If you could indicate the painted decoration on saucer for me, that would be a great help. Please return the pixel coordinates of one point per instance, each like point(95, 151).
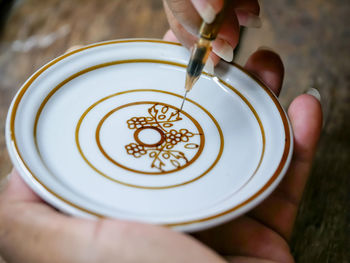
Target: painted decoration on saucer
point(169, 148)
point(170, 151)
point(98, 132)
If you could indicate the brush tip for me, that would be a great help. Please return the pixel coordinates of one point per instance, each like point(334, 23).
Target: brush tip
point(183, 100)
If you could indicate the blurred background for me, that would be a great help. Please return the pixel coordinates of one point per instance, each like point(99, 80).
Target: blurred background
point(312, 37)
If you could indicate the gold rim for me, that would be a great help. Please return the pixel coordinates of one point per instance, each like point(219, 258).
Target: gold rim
point(282, 163)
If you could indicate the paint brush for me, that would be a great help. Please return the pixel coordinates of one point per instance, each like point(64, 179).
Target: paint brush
point(201, 50)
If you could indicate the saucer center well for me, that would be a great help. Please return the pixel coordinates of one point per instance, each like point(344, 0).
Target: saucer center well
point(149, 136)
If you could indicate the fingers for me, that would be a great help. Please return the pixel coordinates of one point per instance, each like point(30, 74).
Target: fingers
point(268, 67)
point(179, 34)
point(191, 13)
point(184, 13)
point(227, 38)
point(17, 190)
point(33, 233)
point(247, 12)
point(186, 22)
point(185, 17)
point(246, 237)
point(212, 59)
point(248, 19)
point(170, 36)
point(279, 210)
point(208, 9)
point(72, 48)
point(306, 118)
point(186, 38)
point(305, 114)
point(264, 231)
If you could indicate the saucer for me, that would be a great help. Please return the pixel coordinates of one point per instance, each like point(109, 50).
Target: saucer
point(98, 132)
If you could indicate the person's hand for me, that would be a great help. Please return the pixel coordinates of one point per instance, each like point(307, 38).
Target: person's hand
point(185, 17)
point(32, 231)
point(264, 232)
point(262, 235)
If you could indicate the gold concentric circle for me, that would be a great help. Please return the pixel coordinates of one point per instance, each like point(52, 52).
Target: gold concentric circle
point(139, 141)
point(112, 160)
point(202, 138)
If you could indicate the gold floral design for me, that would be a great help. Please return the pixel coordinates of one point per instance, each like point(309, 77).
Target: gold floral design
point(135, 149)
point(168, 152)
point(173, 136)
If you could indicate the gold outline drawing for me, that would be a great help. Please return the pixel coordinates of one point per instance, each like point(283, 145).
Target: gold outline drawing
point(193, 120)
point(98, 141)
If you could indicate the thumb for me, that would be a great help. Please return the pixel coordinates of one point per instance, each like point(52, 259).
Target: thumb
point(17, 190)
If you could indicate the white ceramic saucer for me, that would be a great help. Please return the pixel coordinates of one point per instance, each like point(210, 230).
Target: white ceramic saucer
point(98, 132)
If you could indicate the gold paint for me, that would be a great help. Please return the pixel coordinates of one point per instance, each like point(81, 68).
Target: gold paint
point(262, 85)
point(202, 140)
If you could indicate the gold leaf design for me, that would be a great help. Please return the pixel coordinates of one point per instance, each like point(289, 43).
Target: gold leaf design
point(174, 116)
point(175, 163)
point(191, 146)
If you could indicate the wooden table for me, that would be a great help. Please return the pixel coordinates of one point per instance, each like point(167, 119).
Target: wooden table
point(313, 38)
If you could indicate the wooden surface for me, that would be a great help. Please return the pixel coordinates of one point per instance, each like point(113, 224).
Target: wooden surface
point(313, 38)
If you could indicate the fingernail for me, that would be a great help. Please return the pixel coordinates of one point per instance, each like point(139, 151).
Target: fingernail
point(223, 49)
point(252, 21)
point(209, 66)
point(314, 92)
point(72, 48)
point(266, 48)
point(205, 10)
point(5, 181)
